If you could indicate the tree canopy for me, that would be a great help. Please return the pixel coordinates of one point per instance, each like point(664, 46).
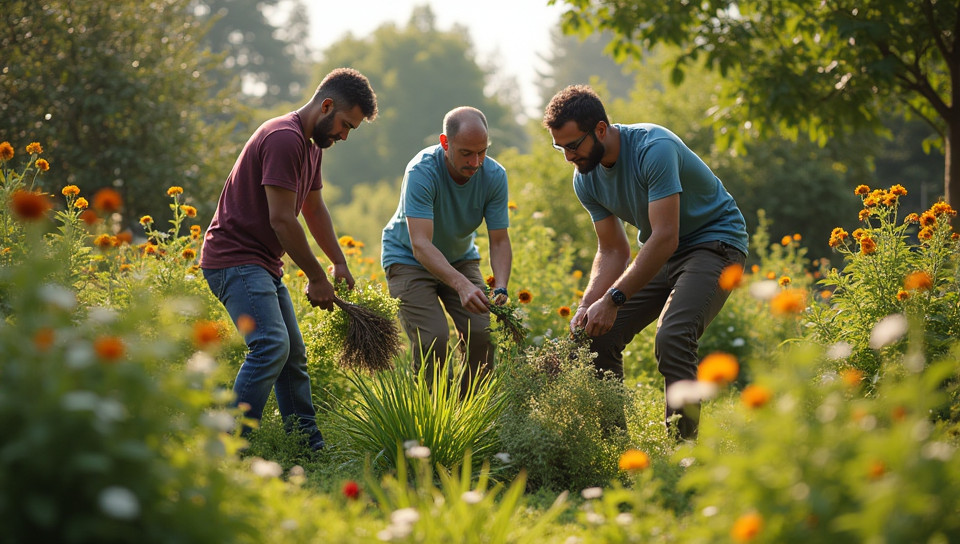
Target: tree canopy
point(826, 68)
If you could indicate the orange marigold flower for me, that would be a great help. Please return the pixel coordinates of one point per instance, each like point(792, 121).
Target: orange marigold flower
point(918, 280)
point(124, 237)
point(797, 237)
point(858, 234)
point(511, 205)
point(195, 229)
point(351, 490)
point(301, 274)
point(88, 216)
point(861, 190)
point(837, 237)
point(869, 202)
point(911, 218)
point(955, 236)
point(146, 220)
point(189, 211)
point(788, 302)
point(205, 333)
point(34, 147)
point(246, 324)
point(851, 376)
point(784, 281)
point(785, 241)
point(941, 208)
point(126, 267)
point(577, 274)
point(826, 294)
point(755, 268)
point(877, 469)
point(43, 165)
point(925, 233)
point(898, 190)
point(902, 295)
point(564, 311)
point(524, 296)
point(633, 460)
point(6, 151)
point(898, 413)
point(867, 245)
point(719, 368)
point(863, 215)
point(174, 190)
point(889, 199)
point(490, 281)
point(928, 219)
point(189, 254)
point(746, 527)
point(755, 396)
point(107, 200)
point(103, 241)
point(149, 249)
point(29, 205)
point(70, 190)
point(109, 348)
point(346, 241)
point(771, 275)
point(44, 338)
point(731, 277)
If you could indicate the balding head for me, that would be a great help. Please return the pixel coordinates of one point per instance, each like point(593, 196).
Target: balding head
point(463, 118)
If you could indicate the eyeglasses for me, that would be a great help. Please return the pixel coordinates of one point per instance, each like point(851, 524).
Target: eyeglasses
point(572, 146)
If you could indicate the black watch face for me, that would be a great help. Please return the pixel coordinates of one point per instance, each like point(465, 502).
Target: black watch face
point(618, 297)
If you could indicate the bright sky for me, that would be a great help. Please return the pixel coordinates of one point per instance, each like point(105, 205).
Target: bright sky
point(508, 34)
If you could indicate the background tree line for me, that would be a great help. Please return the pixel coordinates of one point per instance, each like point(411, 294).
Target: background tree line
point(120, 100)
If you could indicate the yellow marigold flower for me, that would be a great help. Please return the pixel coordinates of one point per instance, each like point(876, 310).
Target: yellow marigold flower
point(205, 333)
point(857, 234)
point(925, 233)
point(634, 460)
point(246, 324)
point(195, 229)
point(785, 241)
point(578, 293)
point(29, 205)
point(34, 147)
point(719, 368)
point(877, 469)
point(301, 274)
point(755, 268)
point(747, 527)
point(107, 200)
point(351, 251)
point(6, 151)
point(928, 219)
point(941, 208)
point(755, 396)
point(771, 275)
point(81, 203)
point(511, 205)
point(861, 190)
point(44, 338)
point(784, 281)
point(911, 218)
point(359, 244)
point(867, 245)
point(731, 277)
point(788, 302)
point(346, 241)
point(851, 376)
point(109, 348)
point(189, 211)
point(918, 281)
point(524, 296)
point(837, 237)
point(175, 190)
point(43, 165)
point(146, 220)
point(577, 274)
point(564, 311)
point(870, 202)
point(149, 249)
point(902, 295)
point(189, 253)
point(103, 241)
point(863, 215)
point(70, 190)
point(898, 190)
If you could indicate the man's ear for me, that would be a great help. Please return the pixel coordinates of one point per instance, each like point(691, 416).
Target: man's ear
point(326, 106)
point(444, 142)
point(600, 130)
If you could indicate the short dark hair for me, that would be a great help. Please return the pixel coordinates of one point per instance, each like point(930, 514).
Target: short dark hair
point(349, 88)
point(575, 103)
point(455, 117)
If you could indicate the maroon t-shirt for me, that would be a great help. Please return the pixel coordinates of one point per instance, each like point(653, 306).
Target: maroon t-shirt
point(278, 154)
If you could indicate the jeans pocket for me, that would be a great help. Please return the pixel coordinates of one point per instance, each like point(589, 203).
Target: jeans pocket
point(214, 281)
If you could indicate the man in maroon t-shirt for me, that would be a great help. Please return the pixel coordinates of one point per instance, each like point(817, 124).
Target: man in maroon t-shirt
point(275, 178)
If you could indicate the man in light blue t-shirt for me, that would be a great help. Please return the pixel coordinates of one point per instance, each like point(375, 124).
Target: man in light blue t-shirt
point(690, 229)
point(429, 253)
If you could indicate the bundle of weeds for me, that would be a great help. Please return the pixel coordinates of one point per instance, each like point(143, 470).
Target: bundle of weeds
point(372, 340)
point(510, 322)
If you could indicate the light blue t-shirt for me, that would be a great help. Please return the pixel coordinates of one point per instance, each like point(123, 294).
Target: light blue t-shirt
point(429, 192)
point(653, 164)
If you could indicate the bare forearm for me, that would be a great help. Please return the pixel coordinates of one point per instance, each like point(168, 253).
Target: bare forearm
point(607, 268)
point(294, 242)
point(652, 256)
point(321, 227)
point(501, 261)
point(433, 260)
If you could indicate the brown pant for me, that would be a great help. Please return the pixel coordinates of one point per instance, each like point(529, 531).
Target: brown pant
point(683, 297)
point(425, 323)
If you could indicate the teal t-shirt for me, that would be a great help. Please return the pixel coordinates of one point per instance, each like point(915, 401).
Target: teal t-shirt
point(429, 192)
point(653, 164)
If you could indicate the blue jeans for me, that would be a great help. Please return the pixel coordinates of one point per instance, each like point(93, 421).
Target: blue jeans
point(276, 357)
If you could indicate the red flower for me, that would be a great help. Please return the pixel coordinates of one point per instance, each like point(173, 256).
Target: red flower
point(351, 490)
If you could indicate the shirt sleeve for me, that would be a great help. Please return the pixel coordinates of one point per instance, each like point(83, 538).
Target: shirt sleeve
point(495, 210)
point(419, 193)
point(281, 157)
point(588, 200)
point(660, 167)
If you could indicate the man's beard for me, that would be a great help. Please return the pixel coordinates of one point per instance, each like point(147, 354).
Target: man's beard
point(322, 136)
point(587, 164)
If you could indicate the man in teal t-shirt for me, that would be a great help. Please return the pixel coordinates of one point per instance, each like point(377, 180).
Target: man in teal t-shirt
point(690, 230)
point(429, 253)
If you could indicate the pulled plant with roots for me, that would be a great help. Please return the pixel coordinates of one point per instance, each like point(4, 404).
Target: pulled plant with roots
point(372, 340)
point(510, 322)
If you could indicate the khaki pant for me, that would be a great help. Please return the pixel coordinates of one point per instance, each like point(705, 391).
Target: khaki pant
point(425, 323)
point(683, 298)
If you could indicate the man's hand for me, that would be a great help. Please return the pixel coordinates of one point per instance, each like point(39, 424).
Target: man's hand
point(320, 293)
point(473, 298)
point(600, 316)
point(579, 319)
point(342, 273)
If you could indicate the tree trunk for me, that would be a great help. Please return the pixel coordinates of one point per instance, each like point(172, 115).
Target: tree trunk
point(951, 171)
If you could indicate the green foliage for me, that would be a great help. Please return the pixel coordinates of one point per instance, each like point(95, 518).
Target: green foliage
point(397, 410)
point(563, 425)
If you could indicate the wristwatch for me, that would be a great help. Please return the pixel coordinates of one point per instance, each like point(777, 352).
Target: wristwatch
point(617, 296)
